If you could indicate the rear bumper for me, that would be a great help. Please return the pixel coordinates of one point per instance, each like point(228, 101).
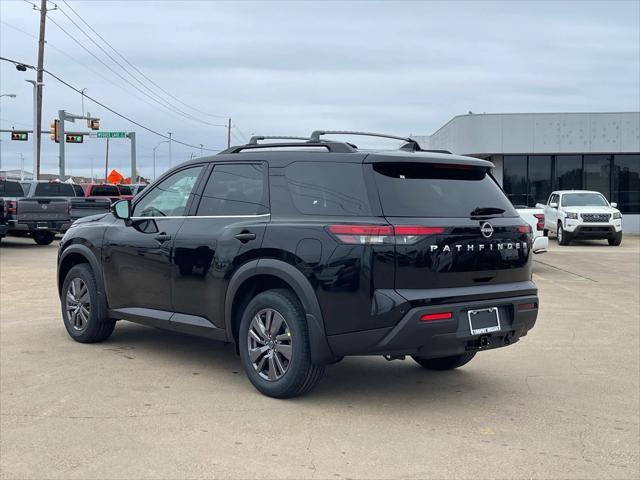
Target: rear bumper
point(50, 225)
point(3, 230)
point(441, 338)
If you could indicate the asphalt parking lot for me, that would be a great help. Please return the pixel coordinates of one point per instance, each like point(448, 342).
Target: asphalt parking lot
point(562, 403)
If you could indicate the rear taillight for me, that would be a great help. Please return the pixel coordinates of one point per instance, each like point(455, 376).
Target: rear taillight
point(429, 317)
point(381, 234)
point(526, 306)
point(12, 207)
point(540, 218)
point(524, 228)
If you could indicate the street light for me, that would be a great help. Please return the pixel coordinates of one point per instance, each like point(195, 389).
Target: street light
point(154, 157)
point(35, 126)
point(10, 95)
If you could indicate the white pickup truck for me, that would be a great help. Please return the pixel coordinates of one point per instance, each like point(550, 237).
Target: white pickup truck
point(572, 214)
point(535, 218)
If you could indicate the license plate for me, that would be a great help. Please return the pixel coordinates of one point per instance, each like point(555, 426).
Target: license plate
point(485, 320)
point(42, 225)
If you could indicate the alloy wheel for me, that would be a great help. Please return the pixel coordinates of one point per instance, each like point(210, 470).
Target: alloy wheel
point(270, 344)
point(78, 304)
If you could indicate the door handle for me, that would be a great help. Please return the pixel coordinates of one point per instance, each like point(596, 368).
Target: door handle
point(244, 237)
point(162, 237)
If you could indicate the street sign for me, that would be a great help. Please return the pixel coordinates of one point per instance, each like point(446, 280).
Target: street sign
point(111, 134)
point(20, 136)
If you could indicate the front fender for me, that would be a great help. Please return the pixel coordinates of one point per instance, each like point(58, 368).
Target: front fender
point(320, 351)
point(87, 253)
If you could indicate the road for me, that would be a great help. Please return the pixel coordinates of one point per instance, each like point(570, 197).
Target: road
point(562, 403)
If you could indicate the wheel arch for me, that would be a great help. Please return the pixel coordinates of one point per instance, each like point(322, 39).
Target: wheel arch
point(76, 255)
point(265, 274)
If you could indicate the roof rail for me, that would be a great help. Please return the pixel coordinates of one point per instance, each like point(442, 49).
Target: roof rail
point(410, 144)
point(256, 138)
point(333, 147)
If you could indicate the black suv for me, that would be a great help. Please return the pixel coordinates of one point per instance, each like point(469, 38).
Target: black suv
point(302, 252)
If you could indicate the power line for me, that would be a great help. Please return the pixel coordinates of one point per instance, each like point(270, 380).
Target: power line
point(97, 102)
point(136, 68)
point(169, 104)
point(118, 74)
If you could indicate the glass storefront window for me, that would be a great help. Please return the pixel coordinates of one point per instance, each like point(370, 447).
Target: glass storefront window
point(626, 183)
point(569, 172)
point(539, 178)
point(515, 179)
point(597, 174)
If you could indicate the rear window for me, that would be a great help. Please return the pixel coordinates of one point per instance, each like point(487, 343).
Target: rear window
point(325, 188)
point(54, 190)
point(124, 190)
point(79, 191)
point(105, 191)
point(11, 189)
point(437, 190)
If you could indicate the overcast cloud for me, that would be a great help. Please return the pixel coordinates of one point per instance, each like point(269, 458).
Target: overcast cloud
point(291, 67)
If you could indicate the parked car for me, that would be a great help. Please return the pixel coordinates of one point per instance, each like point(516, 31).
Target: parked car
point(79, 205)
point(32, 213)
point(535, 218)
point(102, 190)
point(302, 257)
point(4, 224)
point(572, 214)
point(10, 192)
point(136, 188)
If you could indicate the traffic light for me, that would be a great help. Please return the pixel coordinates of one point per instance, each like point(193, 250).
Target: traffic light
point(54, 130)
point(93, 123)
point(20, 136)
point(71, 138)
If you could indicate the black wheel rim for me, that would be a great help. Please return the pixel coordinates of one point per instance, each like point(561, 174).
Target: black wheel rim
point(269, 343)
point(78, 304)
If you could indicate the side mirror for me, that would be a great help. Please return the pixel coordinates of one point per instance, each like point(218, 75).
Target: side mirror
point(614, 204)
point(122, 210)
point(553, 205)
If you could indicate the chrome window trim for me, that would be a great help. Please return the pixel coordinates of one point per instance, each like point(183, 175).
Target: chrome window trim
point(203, 216)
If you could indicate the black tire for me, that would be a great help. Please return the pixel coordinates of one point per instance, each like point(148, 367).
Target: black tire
point(545, 232)
point(43, 238)
point(615, 241)
point(445, 363)
point(563, 237)
point(98, 326)
point(301, 375)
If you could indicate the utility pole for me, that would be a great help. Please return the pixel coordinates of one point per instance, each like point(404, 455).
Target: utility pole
point(170, 148)
point(106, 163)
point(61, 140)
point(134, 174)
point(200, 149)
point(229, 134)
point(36, 150)
point(39, 75)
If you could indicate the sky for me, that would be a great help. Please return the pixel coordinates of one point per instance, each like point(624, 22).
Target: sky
point(293, 67)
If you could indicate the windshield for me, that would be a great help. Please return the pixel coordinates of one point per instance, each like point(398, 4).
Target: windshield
point(439, 190)
point(583, 200)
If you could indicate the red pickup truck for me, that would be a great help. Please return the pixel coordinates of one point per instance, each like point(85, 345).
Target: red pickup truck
point(104, 190)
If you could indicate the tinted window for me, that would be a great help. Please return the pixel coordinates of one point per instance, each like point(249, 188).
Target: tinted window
point(235, 190)
point(105, 191)
point(79, 191)
point(124, 190)
point(583, 200)
point(626, 183)
point(168, 198)
point(53, 190)
point(597, 170)
point(325, 188)
point(569, 172)
point(539, 178)
point(437, 190)
point(11, 189)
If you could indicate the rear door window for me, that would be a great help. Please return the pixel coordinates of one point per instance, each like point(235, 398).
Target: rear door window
point(235, 189)
point(437, 190)
point(325, 188)
point(79, 191)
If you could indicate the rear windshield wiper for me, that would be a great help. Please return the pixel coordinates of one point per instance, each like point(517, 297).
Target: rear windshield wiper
point(484, 211)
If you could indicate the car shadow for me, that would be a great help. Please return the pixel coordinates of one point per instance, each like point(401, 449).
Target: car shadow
point(361, 380)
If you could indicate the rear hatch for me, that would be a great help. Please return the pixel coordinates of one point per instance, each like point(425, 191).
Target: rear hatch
point(453, 225)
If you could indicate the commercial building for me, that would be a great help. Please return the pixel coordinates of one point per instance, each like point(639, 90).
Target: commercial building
point(536, 153)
